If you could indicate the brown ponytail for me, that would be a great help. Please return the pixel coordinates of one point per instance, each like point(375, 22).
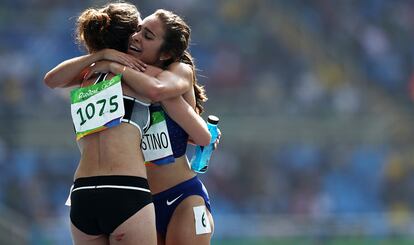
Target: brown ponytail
point(199, 91)
point(176, 40)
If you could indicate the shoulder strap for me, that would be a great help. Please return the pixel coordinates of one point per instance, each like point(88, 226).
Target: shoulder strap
point(101, 77)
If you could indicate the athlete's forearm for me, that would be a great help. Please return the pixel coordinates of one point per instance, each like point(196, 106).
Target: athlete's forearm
point(182, 113)
point(70, 72)
point(170, 96)
point(163, 86)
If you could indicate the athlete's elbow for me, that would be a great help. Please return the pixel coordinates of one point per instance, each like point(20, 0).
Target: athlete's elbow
point(153, 95)
point(49, 81)
point(156, 93)
point(204, 139)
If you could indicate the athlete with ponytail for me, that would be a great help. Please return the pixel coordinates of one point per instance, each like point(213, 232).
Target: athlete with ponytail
point(181, 201)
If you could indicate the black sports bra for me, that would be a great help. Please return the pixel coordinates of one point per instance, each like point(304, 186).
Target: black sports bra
point(136, 112)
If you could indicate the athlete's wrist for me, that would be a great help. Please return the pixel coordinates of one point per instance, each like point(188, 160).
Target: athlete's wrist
point(116, 68)
point(97, 56)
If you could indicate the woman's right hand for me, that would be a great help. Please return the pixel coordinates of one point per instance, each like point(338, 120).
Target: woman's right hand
point(123, 58)
point(216, 143)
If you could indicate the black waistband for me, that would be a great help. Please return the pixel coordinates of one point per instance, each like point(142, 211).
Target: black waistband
point(121, 180)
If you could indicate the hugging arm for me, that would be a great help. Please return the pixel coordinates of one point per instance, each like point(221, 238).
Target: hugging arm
point(182, 113)
point(174, 104)
point(155, 84)
point(73, 71)
point(69, 72)
point(169, 87)
point(175, 81)
point(166, 84)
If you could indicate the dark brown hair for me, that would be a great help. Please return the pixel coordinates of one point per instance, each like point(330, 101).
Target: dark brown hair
point(176, 41)
point(107, 27)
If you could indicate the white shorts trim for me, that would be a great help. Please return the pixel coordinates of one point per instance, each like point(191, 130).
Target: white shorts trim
point(111, 186)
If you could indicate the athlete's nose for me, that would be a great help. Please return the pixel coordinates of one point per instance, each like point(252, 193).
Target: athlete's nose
point(135, 36)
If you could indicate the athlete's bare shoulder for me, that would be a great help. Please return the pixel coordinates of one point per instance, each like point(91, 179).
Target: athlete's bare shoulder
point(182, 69)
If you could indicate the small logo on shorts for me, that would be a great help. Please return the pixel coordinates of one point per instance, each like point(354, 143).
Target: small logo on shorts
point(172, 201)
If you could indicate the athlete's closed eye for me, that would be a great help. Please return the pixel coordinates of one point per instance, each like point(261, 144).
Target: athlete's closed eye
point(148, 34)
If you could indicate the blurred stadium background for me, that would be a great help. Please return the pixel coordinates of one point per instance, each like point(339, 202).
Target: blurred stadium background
point(316, 107)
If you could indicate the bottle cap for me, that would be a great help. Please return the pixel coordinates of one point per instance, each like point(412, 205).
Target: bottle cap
point(213, 119)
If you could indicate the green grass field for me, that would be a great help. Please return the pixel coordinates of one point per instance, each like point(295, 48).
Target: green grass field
point(309, 241)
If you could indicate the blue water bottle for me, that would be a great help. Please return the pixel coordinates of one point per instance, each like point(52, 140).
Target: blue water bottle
point(199, 162)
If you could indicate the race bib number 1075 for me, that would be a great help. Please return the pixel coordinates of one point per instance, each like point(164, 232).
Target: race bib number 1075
point(97, 107)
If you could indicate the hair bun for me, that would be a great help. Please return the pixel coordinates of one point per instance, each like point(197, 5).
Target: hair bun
point(98, 21)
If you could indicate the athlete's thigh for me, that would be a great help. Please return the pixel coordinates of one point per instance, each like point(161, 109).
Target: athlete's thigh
point(182, 227)
point(81, 238)
point(138, 229)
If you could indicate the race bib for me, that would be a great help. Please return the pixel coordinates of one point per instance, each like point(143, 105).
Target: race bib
point(97, 107)
point(156, 144)
point(202, 222)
